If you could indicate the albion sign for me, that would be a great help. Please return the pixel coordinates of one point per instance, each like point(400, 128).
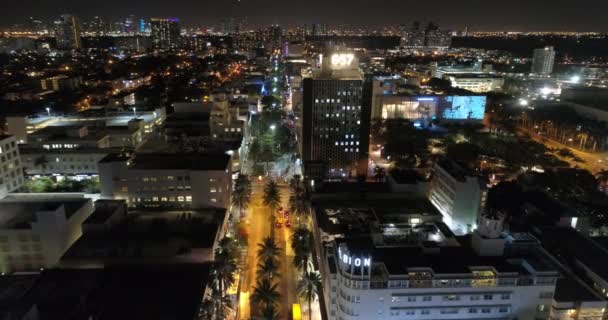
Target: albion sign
point(366, 262)
point(342, 59)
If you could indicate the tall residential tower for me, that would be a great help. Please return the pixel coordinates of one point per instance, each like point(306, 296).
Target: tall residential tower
point(543, 61)
point(67, 32)
point(337, 111)
point(165, 33)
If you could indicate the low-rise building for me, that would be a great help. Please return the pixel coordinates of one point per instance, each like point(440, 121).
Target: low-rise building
point(181, 236)
point(36, 230)
point(478, 83)
point(167, 180)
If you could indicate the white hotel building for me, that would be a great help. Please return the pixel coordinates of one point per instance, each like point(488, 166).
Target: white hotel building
point(413, 267)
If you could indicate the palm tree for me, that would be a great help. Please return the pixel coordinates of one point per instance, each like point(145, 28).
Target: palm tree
point(227, 246)
point(207, 307)
point(266, 294)
point(223, 273)
point(296, 184)
point(268, 269)
point(241, 195)
point(270, 313)
point(268, 249)
point(302, 261)
point(298, 205)
point(272, 199)
point(309, 288)
point(300, 243)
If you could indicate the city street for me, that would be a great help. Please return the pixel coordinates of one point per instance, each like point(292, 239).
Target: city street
point(594, 162)
point(258, 226)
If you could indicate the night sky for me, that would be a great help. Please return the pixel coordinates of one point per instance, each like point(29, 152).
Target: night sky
point(516, 15)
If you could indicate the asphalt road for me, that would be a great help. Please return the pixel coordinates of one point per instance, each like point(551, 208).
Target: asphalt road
point(594, 162)
point(258, 227)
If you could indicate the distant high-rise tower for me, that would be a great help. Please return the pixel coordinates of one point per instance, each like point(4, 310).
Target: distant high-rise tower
point(165, 33)
point(67, 32)
point(543, 61)
point(336, 117)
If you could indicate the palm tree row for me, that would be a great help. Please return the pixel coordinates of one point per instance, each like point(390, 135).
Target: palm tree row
point(272, 199)
point(223, 273)
point(241, 195)
point(266, 293)
point(298, 200)
point(310, 284)
point(301, 245)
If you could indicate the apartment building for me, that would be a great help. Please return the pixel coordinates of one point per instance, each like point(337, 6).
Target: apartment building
point(11, 172)
point(167, 180)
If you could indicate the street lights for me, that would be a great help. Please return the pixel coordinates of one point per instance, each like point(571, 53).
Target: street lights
point(135, 112)
point(272, 127)
point(48, 111)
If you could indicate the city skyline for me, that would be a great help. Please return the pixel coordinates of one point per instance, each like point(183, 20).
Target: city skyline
point(519, 15)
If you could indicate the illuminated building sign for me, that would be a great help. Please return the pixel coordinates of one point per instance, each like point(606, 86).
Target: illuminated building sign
point(356, 261)
point(342, 59)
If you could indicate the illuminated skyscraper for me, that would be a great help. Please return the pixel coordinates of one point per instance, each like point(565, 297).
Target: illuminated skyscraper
point(543, 60)
point(67, 32)
point(337, 111)
point(165, 33)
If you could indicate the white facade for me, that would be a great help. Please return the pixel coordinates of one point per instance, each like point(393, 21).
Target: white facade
point(482, 292)
point(22, 125)
point(71, 162)
point(11, 172)
point(36, 230)
point(166, 185)
point(459, 197)
point(477, 83)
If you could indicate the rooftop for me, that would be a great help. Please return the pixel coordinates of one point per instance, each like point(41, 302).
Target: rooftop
point(458, 171)
point(145, 236)
point(20, 214)
point(458, 258)
point(120, 292)
point(577, 247)
point(104, 209)
point(166, 161)
point(570, 290)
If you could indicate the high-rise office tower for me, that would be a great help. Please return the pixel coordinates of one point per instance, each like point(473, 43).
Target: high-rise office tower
point(165, 33)
point(336, 118)
point(543, 60)
point(67, 32)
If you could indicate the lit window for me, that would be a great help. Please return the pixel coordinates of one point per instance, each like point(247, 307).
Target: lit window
point(213, 200)
point(189, 198)
point(180, 198)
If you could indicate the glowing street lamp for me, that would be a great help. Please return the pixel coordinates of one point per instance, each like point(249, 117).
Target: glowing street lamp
point(273, 127)
point(134, 112)
point(48, 111)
